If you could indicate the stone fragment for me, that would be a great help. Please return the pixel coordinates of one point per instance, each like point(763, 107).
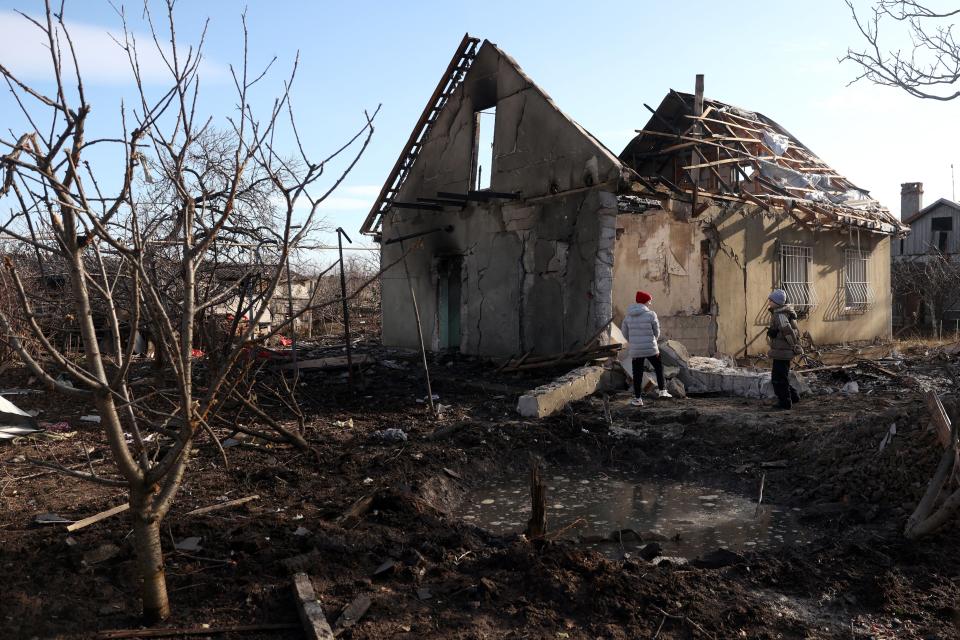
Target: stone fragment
point(717, 559)
point(674, 354)
point(550, 398)
point(676, 388)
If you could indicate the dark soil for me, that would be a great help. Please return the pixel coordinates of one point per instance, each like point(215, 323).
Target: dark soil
point(449, 579)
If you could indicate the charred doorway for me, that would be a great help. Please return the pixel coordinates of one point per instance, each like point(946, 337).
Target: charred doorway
point(449, 295)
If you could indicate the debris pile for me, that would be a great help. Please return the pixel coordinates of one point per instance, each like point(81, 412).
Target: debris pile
point(699, 375)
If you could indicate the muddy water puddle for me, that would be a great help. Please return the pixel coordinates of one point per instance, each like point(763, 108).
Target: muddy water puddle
point(693, 519)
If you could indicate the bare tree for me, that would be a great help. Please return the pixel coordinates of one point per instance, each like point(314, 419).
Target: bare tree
point(138, 242)
point(929, 68)
point(931, 279)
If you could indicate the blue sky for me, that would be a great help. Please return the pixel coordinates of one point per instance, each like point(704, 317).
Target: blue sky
point(599, 60)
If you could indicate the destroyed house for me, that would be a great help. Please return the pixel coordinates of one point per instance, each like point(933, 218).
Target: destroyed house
point(517, 231)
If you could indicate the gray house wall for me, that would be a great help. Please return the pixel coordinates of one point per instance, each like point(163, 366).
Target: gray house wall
point(534, 273)
point(921, 237)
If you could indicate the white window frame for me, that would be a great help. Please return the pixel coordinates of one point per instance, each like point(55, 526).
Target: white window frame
point(796, 267)
point(856, 291)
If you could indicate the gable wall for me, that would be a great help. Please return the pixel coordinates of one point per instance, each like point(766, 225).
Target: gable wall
point(537, 272)
point(921, 238)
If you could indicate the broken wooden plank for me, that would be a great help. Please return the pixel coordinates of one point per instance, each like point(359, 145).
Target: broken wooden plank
point(448, 430)
point(830, 367)
point(939, 418)
point(352, 516)
point(329, 364)
point(103, 515)
point(716, 163)
point(315, 623)
point(223, 505)
point(876, 367)
point(352, 614)
point(192, 631)
point(774, 464)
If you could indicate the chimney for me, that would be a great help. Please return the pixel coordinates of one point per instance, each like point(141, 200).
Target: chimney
point(911, 199)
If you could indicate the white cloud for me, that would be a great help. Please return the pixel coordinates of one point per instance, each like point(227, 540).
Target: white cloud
point(23, 49)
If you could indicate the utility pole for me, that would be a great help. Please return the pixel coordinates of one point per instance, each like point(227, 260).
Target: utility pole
point(341, 234)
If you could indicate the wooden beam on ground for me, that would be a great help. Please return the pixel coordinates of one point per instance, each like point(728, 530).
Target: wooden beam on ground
point(315, 623)
point(829, 367)
point(939, 418)
point(327, 364)
point(103, 515)
point(192, 631)
point(353, 515)
point(223, 505)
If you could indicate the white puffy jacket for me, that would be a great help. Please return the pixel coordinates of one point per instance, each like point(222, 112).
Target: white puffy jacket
point(641, 328)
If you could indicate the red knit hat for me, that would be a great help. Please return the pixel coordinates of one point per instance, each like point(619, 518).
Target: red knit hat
point(643, 297)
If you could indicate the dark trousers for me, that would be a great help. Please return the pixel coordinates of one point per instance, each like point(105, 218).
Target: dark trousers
point(638, 373)
point(780, 379)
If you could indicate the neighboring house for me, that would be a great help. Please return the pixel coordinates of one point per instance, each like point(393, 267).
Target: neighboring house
point(524, 233)
point(933, 229)
point(934, 234)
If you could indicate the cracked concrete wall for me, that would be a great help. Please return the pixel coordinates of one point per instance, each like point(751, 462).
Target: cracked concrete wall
point(659, 252)
point(747, 267)
point(530, 266)
point(529, 276)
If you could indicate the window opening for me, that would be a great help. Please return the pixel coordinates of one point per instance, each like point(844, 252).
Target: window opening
point(941, 224)
point(483, 147)
point(796, 265)
point(856, 286)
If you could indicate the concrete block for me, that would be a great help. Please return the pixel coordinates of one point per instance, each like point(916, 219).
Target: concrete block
point(550, 398)
point(649, 382)
point(613, 380)
point(676, 388)
point(674, 353)
point(713, 375)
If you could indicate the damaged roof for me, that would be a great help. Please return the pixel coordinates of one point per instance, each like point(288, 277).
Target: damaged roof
point(745, 156)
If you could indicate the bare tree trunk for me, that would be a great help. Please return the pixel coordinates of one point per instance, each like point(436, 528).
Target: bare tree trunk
point(146, 538)
point(537, 525)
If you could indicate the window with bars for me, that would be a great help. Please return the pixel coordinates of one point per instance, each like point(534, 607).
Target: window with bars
point(796, 265)
point(856, 286)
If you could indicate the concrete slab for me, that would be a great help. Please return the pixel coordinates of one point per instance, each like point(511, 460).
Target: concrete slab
point(550, 398)
point(674, 354)
point(712, 375)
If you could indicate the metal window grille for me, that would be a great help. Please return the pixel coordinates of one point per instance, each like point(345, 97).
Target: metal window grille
point(856, 287)
point(796, 265)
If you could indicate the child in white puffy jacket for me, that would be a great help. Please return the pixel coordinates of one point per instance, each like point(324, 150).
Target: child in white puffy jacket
point(641, 328)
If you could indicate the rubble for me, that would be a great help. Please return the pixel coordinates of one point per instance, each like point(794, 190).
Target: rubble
point(550, 398)
point(390, 435)
point(713, 375)
point(13, 416)
point(674, 354)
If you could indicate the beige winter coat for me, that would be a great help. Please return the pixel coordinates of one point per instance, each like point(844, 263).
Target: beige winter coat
point(783, 334)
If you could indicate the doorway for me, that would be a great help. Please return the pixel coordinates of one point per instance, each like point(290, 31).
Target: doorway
point(449, 293)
